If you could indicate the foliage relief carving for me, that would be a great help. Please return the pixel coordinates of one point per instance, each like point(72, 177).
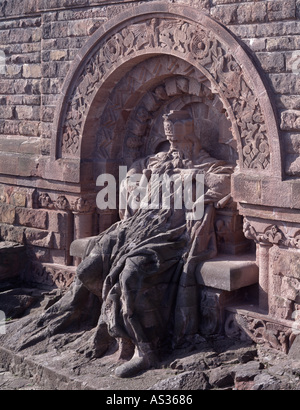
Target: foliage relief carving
point(185, 40)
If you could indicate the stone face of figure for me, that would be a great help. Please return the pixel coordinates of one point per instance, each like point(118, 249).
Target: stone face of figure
point(179, 130)
point(142, 268)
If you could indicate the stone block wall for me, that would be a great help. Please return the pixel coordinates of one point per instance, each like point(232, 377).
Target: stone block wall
point(271, 29)
point(40, 39)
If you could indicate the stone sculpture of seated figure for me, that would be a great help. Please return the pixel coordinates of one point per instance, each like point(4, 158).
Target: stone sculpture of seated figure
point(142, 268)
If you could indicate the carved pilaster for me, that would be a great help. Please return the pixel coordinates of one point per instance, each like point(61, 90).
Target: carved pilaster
point(83, 211)
point(277, 248)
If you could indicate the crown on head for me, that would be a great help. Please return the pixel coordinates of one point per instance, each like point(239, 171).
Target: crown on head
point(178, 122)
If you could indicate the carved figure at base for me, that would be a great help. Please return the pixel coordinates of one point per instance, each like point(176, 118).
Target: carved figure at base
point(142, 269)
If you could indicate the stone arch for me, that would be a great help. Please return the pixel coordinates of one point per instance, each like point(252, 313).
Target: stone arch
point(138, 101)
point(185, 34)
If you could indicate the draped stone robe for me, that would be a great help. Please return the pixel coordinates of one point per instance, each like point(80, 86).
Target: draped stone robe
point(142, 267)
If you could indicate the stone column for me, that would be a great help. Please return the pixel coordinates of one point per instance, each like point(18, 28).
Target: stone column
point(83, 211)
point(83, 228)
point(263, 250)
point(264, 236)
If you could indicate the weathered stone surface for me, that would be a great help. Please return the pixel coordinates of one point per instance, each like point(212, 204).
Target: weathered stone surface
point(58, 221)
point(220, 361)
point(8, 214)
point(10, 382)
point(12, 261)
point(32, 218)
point(39, 237)
point(272, 62)
point(221, 377)
point(230, 274)
point(281, 10)
point(254, 12)
point(32, 71)
point(247, 372)
point(12, 233)
point(53, 48)
point(14, 303)
point(294, 353)
point(184, 381)
point(290, 120)
point(266, 382)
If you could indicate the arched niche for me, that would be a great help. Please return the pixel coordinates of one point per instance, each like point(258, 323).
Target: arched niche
point(136, 106)
point(100, 97)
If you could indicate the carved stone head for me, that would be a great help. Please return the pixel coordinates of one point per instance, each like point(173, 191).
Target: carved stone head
point(179, 130)
point(178, 124)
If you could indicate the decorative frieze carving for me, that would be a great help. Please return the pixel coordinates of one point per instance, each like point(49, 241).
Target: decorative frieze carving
point(272, 235)
point(262, 329)
point(188, 41)
point(52, 274)
point(62, 203)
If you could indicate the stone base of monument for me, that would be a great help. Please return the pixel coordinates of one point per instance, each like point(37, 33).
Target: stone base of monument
point(220, 364)
point(250, 322)
point(229, 304)
point(58, 363)
point(229, 301)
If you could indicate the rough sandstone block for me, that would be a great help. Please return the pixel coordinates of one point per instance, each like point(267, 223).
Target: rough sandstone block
point(24, 112)
point(281, 10)
point(37, 237)
point(12, 233)
point(290, 120)
point(285, 263)
point(285, 83)
point(32, 71)
point(254, 12)
point(58, 221)
point(272, 62)
point(7, 214)
point(32, 218)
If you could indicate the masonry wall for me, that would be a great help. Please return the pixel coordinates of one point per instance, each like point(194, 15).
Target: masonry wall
point(40, 39)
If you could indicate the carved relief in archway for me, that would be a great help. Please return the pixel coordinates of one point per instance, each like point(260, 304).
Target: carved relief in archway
point(165, 83)
point(185, 40)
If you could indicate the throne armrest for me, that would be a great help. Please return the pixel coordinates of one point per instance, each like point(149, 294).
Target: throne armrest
point(228, 272)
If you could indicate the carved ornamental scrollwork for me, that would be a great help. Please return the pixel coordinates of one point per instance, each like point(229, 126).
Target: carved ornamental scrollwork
point(272, 235)
point(62, 203)
point(240, 324)
point(186, 40)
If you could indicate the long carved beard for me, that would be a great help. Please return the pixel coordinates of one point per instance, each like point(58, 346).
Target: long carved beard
point(170, 161)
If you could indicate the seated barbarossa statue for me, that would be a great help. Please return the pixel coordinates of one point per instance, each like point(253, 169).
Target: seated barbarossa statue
point(142, 268)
